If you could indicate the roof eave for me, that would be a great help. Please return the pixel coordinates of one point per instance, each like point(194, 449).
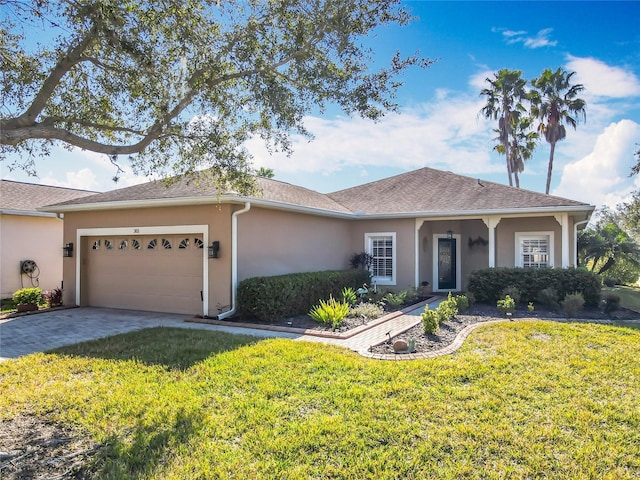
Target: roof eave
point(480, 212)
point(27, 213)
point(183, 201)
point(206, 200)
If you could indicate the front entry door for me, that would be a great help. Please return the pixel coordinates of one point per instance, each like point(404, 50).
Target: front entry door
point(447, 264)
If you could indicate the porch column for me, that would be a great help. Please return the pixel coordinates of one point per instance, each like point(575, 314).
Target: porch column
point(492, 222)
point(416, 258)
point(563, 220)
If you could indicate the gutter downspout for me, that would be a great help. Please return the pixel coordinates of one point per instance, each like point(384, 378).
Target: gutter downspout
point(234, 261)
point(575, 240)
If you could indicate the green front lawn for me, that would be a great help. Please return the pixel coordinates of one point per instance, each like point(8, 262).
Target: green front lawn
point(629, 296)
point(524, 399)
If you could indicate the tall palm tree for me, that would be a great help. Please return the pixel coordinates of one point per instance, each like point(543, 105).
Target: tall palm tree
point(605, 244)
point(522, 144)
point(555, 102)
point(504, 100)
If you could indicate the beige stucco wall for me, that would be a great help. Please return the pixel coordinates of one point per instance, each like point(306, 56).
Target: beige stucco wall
point(505, 237)
point(218, 217)
point(30, 238)
point(405, 246)
point(274, 242)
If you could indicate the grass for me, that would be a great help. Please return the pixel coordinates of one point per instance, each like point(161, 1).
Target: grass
point(629, 296)
point(519, 400)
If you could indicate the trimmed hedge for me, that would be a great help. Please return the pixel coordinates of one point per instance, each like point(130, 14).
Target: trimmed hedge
point(487, 284)
point(269, 298)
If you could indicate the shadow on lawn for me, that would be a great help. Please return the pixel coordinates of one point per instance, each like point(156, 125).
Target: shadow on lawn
point(144, 449)
point(174, 348)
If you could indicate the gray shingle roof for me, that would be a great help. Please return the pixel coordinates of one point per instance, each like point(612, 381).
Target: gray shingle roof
point(421, 191)
point(434, 191)
point(27, 197)
point(271, 190)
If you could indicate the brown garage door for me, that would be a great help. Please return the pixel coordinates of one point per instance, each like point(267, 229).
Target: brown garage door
point(158, 273)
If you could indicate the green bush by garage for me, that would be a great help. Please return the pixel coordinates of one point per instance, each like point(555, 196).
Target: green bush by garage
point(269, 298)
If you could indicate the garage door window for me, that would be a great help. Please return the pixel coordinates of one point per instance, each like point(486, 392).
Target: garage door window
point(96, 245)
point(152, 244)
point(166, 244)
point(123, 245)
point(184, 243)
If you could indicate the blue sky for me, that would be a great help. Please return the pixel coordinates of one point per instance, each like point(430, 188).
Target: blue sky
point(439, 125)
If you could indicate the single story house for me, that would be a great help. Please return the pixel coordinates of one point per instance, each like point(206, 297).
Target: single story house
point(183, 248)
point(31, 240)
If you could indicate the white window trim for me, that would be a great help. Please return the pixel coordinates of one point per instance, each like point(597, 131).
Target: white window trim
point(520, 236)
point(368, 237)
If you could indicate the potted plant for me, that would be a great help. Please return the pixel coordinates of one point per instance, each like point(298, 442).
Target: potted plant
point(28, 299)
point(426, 289)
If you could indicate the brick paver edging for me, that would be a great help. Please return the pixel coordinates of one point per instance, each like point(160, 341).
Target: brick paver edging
point(314, 333)
point(449, 349)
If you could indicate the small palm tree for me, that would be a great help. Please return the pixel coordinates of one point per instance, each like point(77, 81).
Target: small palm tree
point(504, 100)
point(265, 172)
point(555, 102)
point(606, 244)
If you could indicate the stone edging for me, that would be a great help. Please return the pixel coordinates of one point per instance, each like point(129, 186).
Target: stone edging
point(449, 349)
point(315, 333)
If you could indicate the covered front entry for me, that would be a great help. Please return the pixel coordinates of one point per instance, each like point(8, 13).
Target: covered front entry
point(158, 272)
point(446, 264)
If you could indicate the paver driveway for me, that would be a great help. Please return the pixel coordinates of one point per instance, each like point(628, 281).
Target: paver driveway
point(47, 330)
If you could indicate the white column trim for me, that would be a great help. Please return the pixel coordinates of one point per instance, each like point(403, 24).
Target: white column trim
point(564, 217)
point(492, 222)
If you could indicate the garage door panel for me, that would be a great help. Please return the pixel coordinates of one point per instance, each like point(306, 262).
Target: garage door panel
point(160, 279)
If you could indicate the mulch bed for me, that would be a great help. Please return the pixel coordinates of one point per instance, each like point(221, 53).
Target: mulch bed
point(481, 313)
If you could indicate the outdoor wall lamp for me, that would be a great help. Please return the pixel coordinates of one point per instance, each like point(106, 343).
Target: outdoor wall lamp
point(67, 250)
point(449, 234)
point(214, 248)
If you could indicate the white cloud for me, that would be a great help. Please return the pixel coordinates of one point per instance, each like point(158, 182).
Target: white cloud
point(541, 39)
point(602, 80)
point(83, 179)
point(602, 176)
point(447, 134)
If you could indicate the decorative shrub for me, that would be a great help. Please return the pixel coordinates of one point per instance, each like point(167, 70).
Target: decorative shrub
point(430, 321)
point(471, 298)
point(366, 310)
point(29, 295)
point(331, 312)
point(462, 302)
point(447, 309)
point(395, 299)
point(349, 296)
point(53, 298)
point(269, 298)
point(610, 302)
point(362, 260)
point(548, 297)
point(572, 304)
point(513, 292)
point(487, 284)
point(506, 304)
point(530, 307)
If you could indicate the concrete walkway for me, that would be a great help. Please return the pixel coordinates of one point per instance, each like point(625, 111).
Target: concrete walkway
point(48, 330)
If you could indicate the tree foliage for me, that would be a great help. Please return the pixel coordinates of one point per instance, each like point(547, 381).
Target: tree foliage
point(607, 244)
point(176, 86)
